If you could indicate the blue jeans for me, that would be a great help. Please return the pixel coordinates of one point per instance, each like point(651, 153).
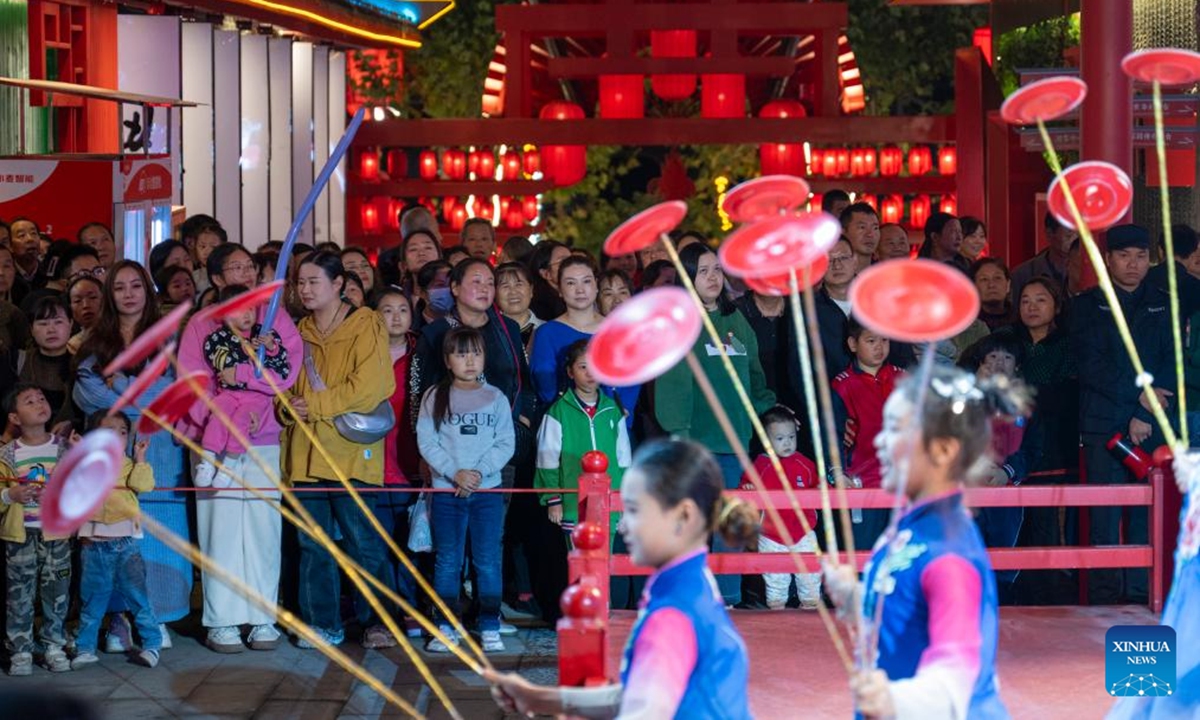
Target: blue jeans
point(452, 518)
point(319, 579)
point(108, 566)
point(1000, 527)
point(730, 585)
point(391, 508)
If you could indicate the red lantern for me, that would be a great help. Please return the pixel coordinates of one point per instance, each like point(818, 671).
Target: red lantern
point(947, 160)
point(857, 168)
point(870, 200)
point(829, 162)
point(510, 165)
point(531, 162)
point(622, 97)
point(454, 164)
point(919, 160)
point(370, 217)
point(673, 44)
point(891, 209)
point(529, 208)
point(397, 163)
point(814, 161)
point(891, 161)
point(448, 204)
point(723, 96)
point(814, 201)
point(843, 160)
point(428, 165)
point(564, 164)
point(918, 212)
point(782, 158)
point(867, 158)
point(458, 217)
point(473, 162)
point(487, 164)
point(368, 165)
point(393, 214)
point(949, 205)
point(514, 219)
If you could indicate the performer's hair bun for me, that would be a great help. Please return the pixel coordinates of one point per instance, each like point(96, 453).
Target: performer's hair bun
point(737, 521)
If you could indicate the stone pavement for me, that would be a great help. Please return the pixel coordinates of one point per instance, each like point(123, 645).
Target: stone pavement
point(287, 683)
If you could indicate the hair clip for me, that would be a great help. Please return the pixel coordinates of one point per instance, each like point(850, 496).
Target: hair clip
point(959, 391)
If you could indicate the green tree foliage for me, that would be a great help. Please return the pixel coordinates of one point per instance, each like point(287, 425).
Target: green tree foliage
point(906, 53)
point(444, 78)
point(1040, 45)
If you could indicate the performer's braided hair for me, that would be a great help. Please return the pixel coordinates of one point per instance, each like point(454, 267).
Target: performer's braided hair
point(960, 406)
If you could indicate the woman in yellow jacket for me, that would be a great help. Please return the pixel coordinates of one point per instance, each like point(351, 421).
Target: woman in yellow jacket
point(346, 369)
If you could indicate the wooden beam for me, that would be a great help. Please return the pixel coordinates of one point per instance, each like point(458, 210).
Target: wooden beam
point(928, 184)
point(446, 188)
point(576, 20)
point(591, 67)
point(400, 132)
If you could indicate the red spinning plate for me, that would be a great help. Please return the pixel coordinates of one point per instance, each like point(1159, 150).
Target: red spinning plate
point(251, 299)
point(780, 285)
point(1043, 100)
point(1102, 192)
point(149, 341)
point(765, 196)
point(645, 228)
point(644, 337)
point(174, 402)
point(783, 241)
point(1168, 66)
point(153, 371)
point(81, 481)
point(914, 300)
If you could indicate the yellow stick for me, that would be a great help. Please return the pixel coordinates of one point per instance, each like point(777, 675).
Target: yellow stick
point(1105, 282)
point(287, 619)
point(1160, 149)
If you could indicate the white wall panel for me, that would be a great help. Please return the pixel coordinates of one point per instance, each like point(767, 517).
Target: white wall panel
point(148, 56)
point(256, 141)
point(227, 103)
point(337, 126)
point(197, 156)
point(320, 84)
point(279, 60)
point(302, 131)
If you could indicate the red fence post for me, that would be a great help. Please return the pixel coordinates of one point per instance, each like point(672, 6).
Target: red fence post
point(1156, 509)
point(583, 629)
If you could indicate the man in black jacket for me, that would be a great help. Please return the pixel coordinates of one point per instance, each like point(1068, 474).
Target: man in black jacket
point(1110, 402)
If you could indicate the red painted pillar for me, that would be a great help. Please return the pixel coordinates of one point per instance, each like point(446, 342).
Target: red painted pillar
point(1106, 122)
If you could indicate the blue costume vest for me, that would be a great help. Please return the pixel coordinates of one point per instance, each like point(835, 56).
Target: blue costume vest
point(927, 532)
point(717, 687)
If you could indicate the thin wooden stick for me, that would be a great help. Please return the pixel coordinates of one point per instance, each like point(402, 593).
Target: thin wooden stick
point(731, 436)
point(1164, 194)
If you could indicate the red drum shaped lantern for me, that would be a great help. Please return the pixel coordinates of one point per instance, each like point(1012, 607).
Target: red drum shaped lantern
point(782, 158)
point(563, 164)
point(918, 212)
point(427, 161)
point(673, 44)
point(723, 96)
point(891, 161)
point(454, 163)
point(621, 97)
point(920, 160)
point(947, 160)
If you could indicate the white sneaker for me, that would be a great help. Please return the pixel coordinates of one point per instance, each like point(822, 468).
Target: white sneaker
point(437, 646)
point(83, 660)
point(506, 629)
point(166, 636)
point(224, 640)
point(120, 635)
point(204, 473)
point(147, 658)
point(56, 661)
point(492, 642)
point(21, 665)
point(264, 637)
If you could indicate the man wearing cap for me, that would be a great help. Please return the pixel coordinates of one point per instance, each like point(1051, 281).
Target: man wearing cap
point(1110, 403)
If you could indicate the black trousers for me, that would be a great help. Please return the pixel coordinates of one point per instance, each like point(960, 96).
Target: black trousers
point(1119, 585)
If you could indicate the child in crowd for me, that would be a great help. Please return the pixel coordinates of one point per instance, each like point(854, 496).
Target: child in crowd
point(37, 564)
point(781, 426)
point(355, 292)
point(48, 364)
point(175, 286)
point(111, 557)
point(240, 402)
point(465, 434)
point(937, 634)
point(581, 420)
point(864, 387)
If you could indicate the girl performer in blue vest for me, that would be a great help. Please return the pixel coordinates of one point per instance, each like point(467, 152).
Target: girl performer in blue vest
point(684, 658)
point(937, 631)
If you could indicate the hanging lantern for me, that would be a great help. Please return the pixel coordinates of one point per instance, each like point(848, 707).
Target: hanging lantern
point(473, 162)
point(458, 217)
point(673, 44)
point(870, 200)
point(814, 201)
point(529, 208)
point(486, 209)
point(487, 164)
point(891, 161)
point(397, 163)
point(723, 96)
point(393, 213)
point(510, 165)
point(448, 204)
point(428, 163)
point(370, 217)
point(918, 212)
point(782, 158)
point(505, 203)
point(919, 160)
point(829, 162)
point(454, 164)
point(427, 203)
point(843, 161)
point(514, 219)
point(891, 209)
point(815, 156)
point(563, 164)
point(948, 205)
point(368, 165)
point(867, 160)
point(622, 97)
point(857, 167)
point(947, 160)
point(531, 161)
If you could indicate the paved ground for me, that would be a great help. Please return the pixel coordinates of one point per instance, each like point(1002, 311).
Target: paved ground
point(193, 682)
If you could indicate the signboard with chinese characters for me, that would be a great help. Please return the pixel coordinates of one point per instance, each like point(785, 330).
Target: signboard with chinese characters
point(61, 196)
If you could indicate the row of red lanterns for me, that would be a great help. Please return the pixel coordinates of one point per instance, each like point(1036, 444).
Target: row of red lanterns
point(515, 212)
point(456, 164)
point(788, 158)
point(891, 207)
point(622, 97)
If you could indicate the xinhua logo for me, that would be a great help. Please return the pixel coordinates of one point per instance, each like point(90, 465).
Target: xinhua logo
point(1139, 660)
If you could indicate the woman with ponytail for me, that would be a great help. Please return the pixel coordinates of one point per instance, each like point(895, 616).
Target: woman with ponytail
point(684, 658)
point(937, 633)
